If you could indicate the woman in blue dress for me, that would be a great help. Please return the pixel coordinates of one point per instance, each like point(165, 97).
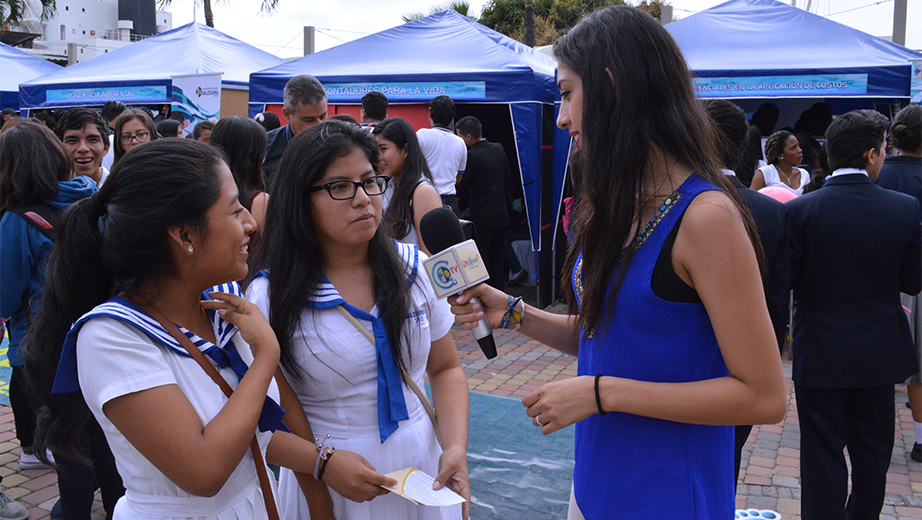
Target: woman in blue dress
point(667, 313)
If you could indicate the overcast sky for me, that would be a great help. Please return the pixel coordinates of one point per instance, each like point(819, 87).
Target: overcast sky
point(281, 32)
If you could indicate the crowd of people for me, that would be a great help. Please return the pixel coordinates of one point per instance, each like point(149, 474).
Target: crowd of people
point(183, 312)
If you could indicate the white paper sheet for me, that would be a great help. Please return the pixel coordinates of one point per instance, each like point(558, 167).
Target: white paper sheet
point(416, 486)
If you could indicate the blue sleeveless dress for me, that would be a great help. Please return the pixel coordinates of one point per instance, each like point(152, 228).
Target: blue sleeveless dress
point(632, 467)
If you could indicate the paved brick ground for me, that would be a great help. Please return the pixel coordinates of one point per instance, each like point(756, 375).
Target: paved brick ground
point(770, 468)
point(769, 479)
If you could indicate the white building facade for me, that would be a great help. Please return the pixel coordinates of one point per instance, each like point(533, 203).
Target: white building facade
point(82, 29)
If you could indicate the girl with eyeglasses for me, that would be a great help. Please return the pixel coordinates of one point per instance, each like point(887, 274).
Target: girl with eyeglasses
point(133, 128)
point(413, 194)
point(329, 263)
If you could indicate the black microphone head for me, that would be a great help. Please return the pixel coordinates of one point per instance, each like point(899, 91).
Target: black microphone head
point(488, 346)
point(440, 229)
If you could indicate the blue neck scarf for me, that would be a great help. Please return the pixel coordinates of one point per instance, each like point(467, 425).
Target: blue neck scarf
point(392, 406)
point(224, 354)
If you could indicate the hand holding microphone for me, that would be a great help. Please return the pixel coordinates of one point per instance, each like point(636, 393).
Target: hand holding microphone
point(454, 266)
point(479, 302)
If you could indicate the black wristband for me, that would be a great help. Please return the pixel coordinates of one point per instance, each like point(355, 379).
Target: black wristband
point(323, 465)
point(598, 398)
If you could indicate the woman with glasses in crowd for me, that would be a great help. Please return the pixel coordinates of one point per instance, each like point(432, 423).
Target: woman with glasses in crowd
point(133, 128)
point(332, 269)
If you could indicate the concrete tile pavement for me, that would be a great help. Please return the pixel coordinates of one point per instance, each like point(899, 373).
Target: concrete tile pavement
point(770, 469)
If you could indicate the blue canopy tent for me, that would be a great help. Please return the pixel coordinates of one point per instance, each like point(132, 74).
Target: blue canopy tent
point(141, 73)
point(17, 67)
point(448, 54)
point(768, 49)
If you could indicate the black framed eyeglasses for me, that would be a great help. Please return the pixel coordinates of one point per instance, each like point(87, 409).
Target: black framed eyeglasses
point(140, 137)
point(345, 190)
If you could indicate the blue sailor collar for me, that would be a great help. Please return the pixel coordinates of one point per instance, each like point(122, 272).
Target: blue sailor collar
point(224, 354)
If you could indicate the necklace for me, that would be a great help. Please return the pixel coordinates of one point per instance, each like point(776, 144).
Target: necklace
point(789, 180)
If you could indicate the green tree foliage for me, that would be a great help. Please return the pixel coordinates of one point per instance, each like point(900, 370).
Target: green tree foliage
point(552, 17)
point(463, 7)
point(12, 11)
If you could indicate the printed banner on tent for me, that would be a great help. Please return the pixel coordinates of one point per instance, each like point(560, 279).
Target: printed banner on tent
point(814, 85)
point(407, 91)
point(99, 95)
point(196, 97)
point(915, 88)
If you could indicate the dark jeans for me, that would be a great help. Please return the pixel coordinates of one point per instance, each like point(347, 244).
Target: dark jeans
point(23, 410)
point(861, 419)
point(519, 232)
point(490, 244)
point(77, 482)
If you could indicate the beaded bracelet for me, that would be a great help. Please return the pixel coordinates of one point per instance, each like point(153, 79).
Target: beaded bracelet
point(598, 398)
point(512, 314)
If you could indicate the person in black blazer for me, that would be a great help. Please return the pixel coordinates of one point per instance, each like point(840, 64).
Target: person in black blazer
point(903, 172)
point(484, 186)
point(854, 247)
point(770, 217)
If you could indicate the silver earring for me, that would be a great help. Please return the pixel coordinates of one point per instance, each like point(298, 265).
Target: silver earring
point(190, 249)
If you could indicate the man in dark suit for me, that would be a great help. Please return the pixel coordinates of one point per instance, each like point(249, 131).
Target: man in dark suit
point(770, 217)
point(854, 247)
point(305, 105)
point(483, 185)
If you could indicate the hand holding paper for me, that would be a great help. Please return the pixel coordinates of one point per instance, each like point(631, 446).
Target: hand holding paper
point(416, 486)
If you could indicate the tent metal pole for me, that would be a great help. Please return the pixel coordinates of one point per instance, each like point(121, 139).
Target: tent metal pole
point(899, 22)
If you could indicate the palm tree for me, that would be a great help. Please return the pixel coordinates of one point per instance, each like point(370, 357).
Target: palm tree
point(12, 11)
point(463, 7)
point(267, 6)
point(529, 30)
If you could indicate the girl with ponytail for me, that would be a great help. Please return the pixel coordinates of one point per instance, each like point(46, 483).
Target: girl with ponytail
point(142, 268)
point(35, 178)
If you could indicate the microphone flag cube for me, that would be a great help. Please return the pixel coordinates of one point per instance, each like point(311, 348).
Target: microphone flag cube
point(455, 269)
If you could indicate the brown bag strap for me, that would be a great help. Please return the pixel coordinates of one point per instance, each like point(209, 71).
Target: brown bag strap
point(197, 355)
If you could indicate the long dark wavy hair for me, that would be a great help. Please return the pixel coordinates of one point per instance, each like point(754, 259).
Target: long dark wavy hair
point(292, 253)
point(399, 215)
point(244, 143)
point(104, 243)
point(647, 101)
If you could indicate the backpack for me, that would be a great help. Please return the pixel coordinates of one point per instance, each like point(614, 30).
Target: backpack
point(40, 215)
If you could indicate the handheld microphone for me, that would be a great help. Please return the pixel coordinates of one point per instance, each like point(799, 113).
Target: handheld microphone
point(455, 265)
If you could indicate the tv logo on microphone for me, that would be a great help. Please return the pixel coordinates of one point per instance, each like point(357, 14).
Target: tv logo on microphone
point(441, 275)
point(455, 269)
